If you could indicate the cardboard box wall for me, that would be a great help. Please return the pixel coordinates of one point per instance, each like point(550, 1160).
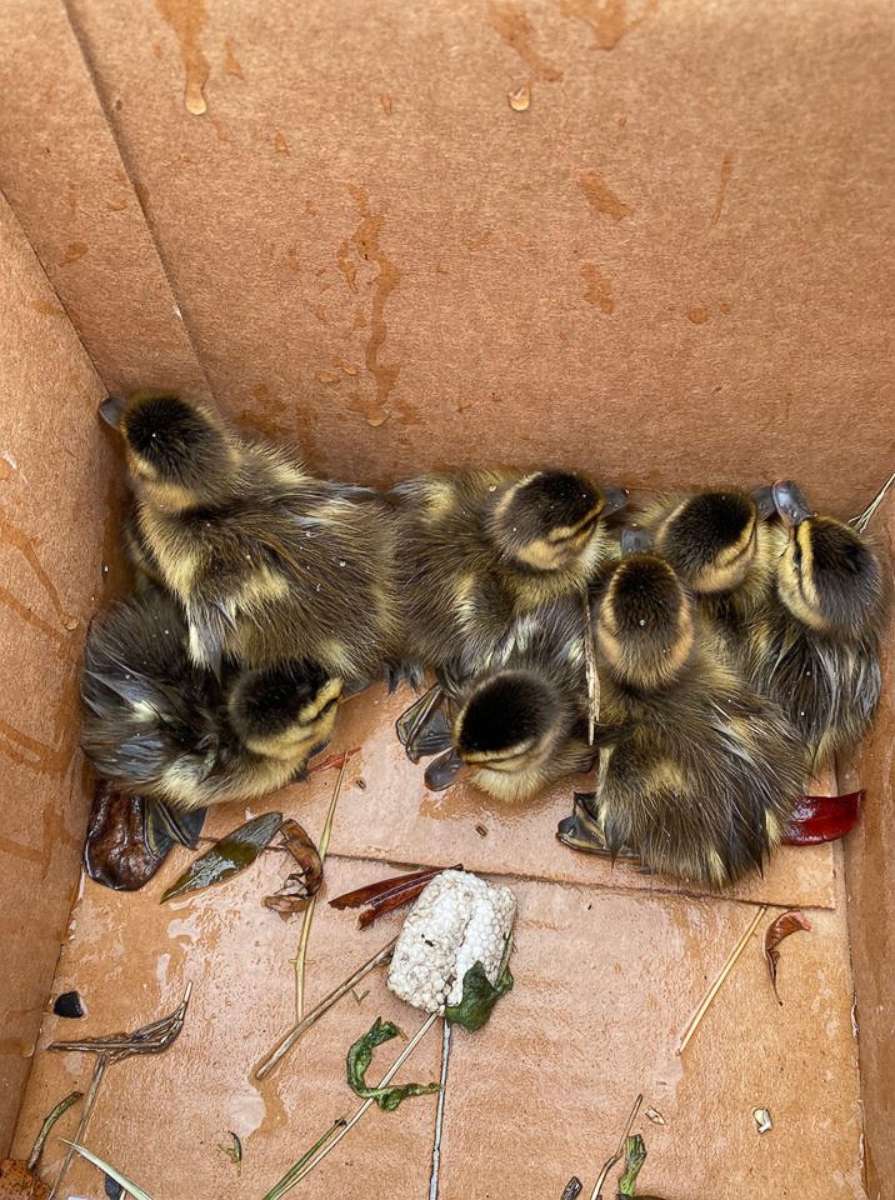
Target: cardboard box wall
point(672, 267)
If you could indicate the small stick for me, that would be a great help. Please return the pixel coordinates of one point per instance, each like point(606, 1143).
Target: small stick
point(383, 1083)
point(99, 1070)
point(291, 1177)
point(285, 1044)
point(434, 1176)
point(731, 962)
point(863, 519)
point(41, 1140)
point(302, 953)
point(610, 1162)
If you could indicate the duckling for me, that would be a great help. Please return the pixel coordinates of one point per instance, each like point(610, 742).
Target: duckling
point(155, 723)
point(269, 563)
point(480, 548)
point(723, 546)
point(698, 774)
point(816, 650)
point(522, 724)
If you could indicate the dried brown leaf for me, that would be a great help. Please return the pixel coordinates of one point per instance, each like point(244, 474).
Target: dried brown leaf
point(785, 924)
point(305, 853)
point(291, 898)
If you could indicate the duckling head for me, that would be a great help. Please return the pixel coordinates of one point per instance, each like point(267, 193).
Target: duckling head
point(828, 577)
point(287, 711)
point(712, 540)
point(508, 728)
point(549, 520)
point(180, 454)
point(644, 623)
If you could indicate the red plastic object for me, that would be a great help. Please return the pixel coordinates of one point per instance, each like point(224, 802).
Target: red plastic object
point(823, 819)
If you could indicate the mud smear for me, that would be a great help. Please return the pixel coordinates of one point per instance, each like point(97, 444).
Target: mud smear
point(511, 24)
point(602, 198)
point(598, 290)
point(608, 19)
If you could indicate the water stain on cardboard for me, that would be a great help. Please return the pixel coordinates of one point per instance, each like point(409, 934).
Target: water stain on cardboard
point(73, 252)
point(232, 65)
point(698, 315)
point(346, 265)
point(510, 22)
point(602, 198)
point(598, 290)
point(609, 20)
point(280, 144)
point(187, 19)
point(726, 172)
point(366, 240)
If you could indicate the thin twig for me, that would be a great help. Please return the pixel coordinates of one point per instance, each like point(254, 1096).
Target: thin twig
point(862, 520)
point(291, 1177)
point(434, 1176)
point(40, 1141)
point(285, 1044)
point(731, 962)
point(302, 953)
point(280, 1189)
point(99, 1069)
point(610, 1162)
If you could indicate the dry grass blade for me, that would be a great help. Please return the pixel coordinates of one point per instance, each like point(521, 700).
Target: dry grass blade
point(302, 952)
point(285, 1044)
point(41, 1140)
point(590, 668)
point(435, 1173)
point(731, 962)
point(610, 1162)
point(862, 520)
point(122, 1180)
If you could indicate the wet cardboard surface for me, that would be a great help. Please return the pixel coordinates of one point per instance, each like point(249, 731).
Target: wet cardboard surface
point(605, 983)
point(667, 267)
point(55, 493)
point(870, 878)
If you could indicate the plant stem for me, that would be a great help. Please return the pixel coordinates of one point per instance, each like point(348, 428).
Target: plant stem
point(439, 1112)
point(302, 953)
point(306, 1163)
point(285, 1044)
point(40, 1141)
point(610, 1162)
point(99, 1070)
point(731, 962)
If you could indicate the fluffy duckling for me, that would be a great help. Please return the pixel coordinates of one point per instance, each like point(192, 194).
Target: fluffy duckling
point(522, 724)
point(723, 547)
point(698, 774)
point(269, 563)
point(816, 650)
point(157, 724)
point(480, 548)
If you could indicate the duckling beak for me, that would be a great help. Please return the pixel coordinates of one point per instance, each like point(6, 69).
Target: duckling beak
point(615, 498)
point(764, 502)
point(444, 771)
point(790, 502)
point(635, 541)
point(111, 410)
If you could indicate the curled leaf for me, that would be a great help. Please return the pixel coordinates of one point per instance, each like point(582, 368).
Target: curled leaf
point(818, 819)
point(234, 1150)
point(785, 924)
point(479, 997)
point(388, 894)
point(116, 853)
point(291, 898)
point(232, 854)
point(305, 853)
point(360, 1055)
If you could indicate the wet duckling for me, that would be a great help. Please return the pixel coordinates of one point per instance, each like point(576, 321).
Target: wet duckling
point(522, 724)
point(154, 723)
point(723, 546)
point(698, 774)
point(816, 650)
point(480, 548)
point(270, 564)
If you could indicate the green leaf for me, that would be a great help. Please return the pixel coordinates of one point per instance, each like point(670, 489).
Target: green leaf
point(479, 997)
point(635, 1157)
point(122, 1180)
point(361, 1055)
point(227, 857)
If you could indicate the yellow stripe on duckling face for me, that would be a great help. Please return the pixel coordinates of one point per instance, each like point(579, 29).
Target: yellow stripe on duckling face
point(795, 581)
point(330, 691)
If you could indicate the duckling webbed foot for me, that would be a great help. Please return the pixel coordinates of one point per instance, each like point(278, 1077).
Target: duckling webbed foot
point(423, 729)
point(583, 831)
point(164, 825)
